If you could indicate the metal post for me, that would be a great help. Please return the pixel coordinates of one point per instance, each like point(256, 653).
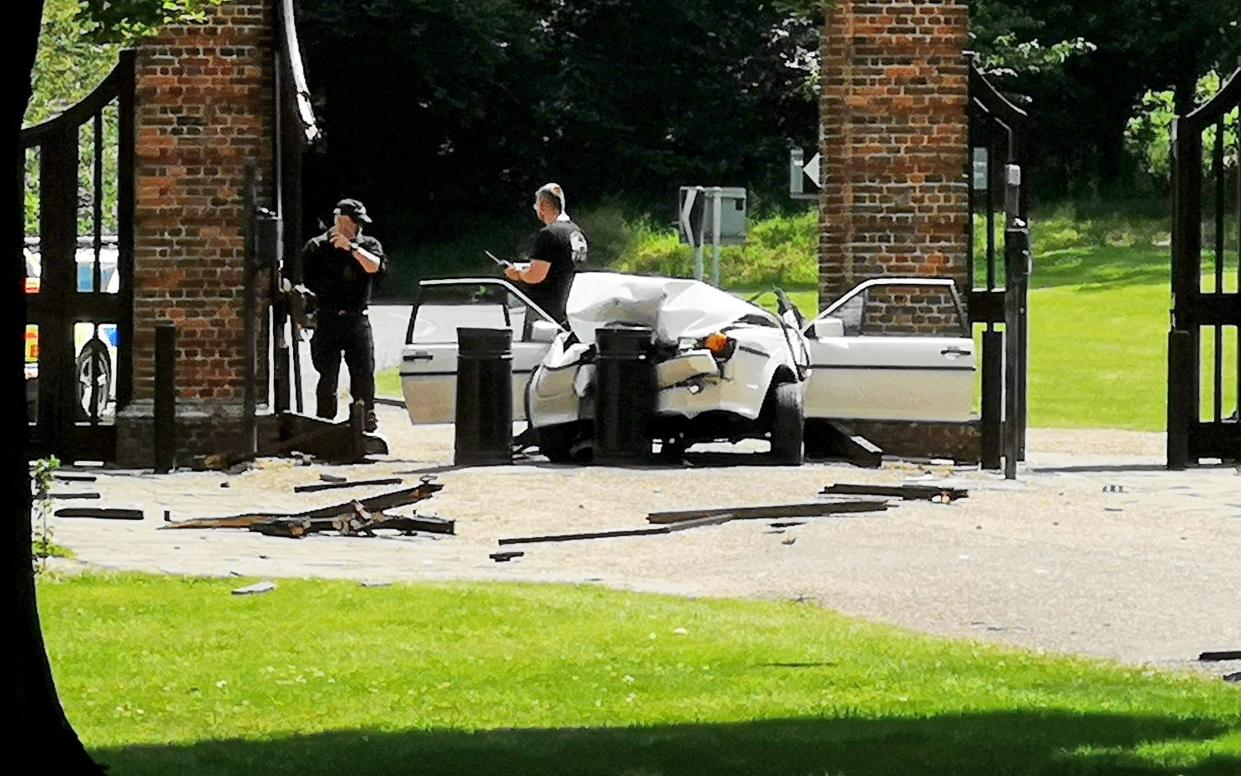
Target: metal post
point(624, 394)
point(484, 415)
point(165, 425)
point(249, 311)
point(992, 398)
point(699, 269)
point(717, 214)
point(1016, 252)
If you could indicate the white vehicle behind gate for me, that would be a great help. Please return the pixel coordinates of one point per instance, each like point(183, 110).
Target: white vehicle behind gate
point(725, 369)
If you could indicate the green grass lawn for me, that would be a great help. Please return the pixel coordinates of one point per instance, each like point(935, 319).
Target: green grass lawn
point(176, 676)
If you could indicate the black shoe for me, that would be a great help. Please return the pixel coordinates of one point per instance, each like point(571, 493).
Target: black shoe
point(372, 423)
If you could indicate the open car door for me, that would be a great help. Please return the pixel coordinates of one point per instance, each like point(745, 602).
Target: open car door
point(892, 349)
point(429, 359)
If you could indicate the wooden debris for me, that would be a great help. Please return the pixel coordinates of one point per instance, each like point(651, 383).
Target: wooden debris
point(906, 492)
point(343, 483)
point(792, 524)
point(831, 439)
point(69, 477)
point(1236, 678)
point(379, 503)
point(76, 496)
point(332, 478)
point(1211, 657)
point(774, 511)
point(100, 513)
point(504, 556)
point(621, 533)
point(255, 589)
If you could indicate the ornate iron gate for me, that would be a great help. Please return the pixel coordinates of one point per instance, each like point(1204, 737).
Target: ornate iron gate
point(79, 270)
point(1206, 305)
point(998, 140)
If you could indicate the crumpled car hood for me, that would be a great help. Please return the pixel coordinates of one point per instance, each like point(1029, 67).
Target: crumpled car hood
point(672, 307)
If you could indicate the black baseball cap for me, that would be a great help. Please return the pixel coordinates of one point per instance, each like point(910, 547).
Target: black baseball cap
point(354, 209)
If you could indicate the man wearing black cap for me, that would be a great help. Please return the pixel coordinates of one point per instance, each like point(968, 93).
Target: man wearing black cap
point(338, 266)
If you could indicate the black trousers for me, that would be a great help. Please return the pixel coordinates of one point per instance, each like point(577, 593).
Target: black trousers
point(350, 335)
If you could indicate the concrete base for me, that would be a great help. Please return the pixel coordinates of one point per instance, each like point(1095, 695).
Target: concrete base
point(203, 428)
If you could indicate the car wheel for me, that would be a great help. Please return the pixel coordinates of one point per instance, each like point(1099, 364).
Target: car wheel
point(94, 369)
point(787, 425)
point(556, 442)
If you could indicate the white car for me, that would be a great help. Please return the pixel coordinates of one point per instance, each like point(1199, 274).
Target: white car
point(861, 365)
point(96, 350)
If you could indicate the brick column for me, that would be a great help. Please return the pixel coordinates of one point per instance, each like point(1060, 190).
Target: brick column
point(204, 108)
point(895, 131)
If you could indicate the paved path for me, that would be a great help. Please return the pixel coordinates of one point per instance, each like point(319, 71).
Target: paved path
point(1103, 553)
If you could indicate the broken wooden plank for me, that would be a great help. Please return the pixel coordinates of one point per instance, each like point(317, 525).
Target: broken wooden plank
point(76, 496)
point(332, 478)
point(504, 556)
point(1211, 657)
point(70, 477)
point(771, 512)
point(379, 503)
point(620, 533)
point(831, 439)
point(346, 484)
point(100, 513)
point(906, 492)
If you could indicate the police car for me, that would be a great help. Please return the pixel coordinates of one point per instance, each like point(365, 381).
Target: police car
point(96, 352)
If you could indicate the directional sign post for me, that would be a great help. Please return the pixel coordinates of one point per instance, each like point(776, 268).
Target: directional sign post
point(714, 210)
point(799, 170)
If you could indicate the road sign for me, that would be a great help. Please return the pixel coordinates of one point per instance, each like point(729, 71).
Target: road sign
point(800, 169)
point(714, 212)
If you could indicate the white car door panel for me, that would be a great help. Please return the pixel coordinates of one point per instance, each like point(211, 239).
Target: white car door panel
point(429, 360)
point(897, 376)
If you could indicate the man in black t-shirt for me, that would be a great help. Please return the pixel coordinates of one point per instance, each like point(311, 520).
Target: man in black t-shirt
point(339, 266)
point(559, 249)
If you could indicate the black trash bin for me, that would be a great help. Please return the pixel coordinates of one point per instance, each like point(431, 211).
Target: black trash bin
point(484, 417)
point(624, 394)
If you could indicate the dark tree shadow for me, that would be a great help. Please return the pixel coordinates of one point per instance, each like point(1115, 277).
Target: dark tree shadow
point(1055, 742)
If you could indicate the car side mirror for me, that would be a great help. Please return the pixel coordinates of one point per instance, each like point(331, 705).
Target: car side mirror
point(543, 331)
point(827, 327)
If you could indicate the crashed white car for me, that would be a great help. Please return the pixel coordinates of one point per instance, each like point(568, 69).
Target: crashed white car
point(726, 369)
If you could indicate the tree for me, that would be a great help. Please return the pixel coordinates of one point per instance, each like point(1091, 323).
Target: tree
point(42, 729)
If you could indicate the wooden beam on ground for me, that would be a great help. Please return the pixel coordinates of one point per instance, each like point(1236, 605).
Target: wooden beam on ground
point(771, 512)
point(100, 513)
point(78, 496)
point(1210, 657)
point(392, 500)
point(620, 533)
point(70, 477)
point(840, 441)
point(906, 492)
point(346, 484)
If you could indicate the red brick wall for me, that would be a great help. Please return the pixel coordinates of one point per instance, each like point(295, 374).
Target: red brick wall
point(204, 107)
point(895, 128)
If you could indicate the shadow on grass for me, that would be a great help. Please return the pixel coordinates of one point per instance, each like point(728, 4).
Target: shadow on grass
point(1003, 743)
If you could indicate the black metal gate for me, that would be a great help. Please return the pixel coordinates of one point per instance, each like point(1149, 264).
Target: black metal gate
point(1206, 305)
point(78, 250)
point(998, 276)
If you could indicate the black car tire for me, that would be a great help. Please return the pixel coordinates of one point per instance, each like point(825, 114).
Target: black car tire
point(788, 425)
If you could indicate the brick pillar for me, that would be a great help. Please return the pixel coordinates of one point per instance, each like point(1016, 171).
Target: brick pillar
point(895, 131)
point(204, 107)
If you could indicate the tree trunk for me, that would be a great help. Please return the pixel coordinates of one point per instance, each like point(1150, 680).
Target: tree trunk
point(42, 730)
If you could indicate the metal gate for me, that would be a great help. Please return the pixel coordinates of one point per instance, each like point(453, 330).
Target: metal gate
point(78, 251)
point(1206, 272)
point(998, 278)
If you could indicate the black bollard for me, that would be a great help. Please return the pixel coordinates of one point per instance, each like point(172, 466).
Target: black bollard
point(625, 394)
point(484, 432)
point(165, 420)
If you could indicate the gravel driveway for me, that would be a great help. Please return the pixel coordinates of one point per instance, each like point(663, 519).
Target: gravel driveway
point(1096, 550)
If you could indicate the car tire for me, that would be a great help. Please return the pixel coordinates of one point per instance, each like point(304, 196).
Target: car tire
point(556, 442)
point(787, 425)
point(97, 353)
